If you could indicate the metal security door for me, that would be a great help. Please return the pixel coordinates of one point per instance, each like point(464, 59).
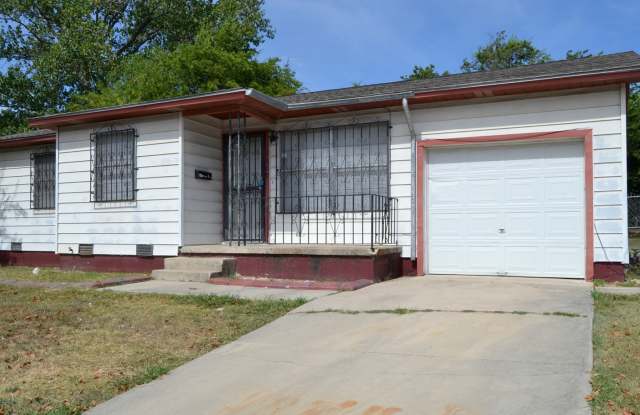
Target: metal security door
point(244, 188)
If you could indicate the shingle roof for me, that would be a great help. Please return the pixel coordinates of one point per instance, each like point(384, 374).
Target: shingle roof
point(624, 61)
point(625, 66)
point(27, 134)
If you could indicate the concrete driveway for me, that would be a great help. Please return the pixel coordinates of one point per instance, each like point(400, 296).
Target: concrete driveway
point(464, 345)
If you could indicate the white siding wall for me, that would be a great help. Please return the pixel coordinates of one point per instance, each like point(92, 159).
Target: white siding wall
point(170, 145)
point(36, 229)
point(116, 227)
point(203, 199)
point(599, 110)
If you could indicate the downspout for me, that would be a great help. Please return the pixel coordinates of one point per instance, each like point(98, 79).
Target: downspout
point(412, 131)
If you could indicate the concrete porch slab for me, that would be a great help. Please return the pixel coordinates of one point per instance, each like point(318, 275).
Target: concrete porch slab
point(274, 249)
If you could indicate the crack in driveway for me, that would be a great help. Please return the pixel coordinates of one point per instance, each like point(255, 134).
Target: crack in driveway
point(402, 311)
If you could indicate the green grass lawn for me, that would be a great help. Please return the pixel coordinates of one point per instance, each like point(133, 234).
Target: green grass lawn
point(54, 275)
point(63, 351)
point(616, 349)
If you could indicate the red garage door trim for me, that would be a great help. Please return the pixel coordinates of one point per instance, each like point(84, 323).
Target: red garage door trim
point(585, 134)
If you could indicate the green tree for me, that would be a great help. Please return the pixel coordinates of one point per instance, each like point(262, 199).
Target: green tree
point(580, 53)
point(504, 52)
point(191, 68)
point(423, 72)
point(54, 50)
point(633, 140)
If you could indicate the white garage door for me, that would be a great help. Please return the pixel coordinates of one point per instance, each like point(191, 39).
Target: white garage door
point(506, 210)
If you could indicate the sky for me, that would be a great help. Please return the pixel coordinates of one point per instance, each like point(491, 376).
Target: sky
point(333, 44)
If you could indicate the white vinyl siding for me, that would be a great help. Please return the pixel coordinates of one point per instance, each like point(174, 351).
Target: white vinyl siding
point(599, 110)
point(116, 227)
point(34, 228)
point(203, 199)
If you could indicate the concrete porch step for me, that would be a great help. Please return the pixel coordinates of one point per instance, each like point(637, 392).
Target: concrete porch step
point(217, 264)
point(198, 269)
point(183, 275)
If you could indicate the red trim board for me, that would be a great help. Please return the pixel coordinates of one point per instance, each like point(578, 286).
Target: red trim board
point(101, 263)
point(586, 135)
point(222, 104)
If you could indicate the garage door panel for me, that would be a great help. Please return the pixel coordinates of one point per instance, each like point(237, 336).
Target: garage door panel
point(447, 259)
point(565, 262)
point(483, 159)
point(523, 190)
point(524, 259)
point(445, 192)
point(484, 191)
point(564, 155)
point(483, 225)
point(446, 225)
point(535, 192)
point(524, 157)
point(524, 225)
point(481, 259)
point(564, 189)
point(564, 225)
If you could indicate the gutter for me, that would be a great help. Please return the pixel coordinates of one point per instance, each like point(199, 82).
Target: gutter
point(412, 132)
point(274, 102)
point(28, 141)
point(283, 108)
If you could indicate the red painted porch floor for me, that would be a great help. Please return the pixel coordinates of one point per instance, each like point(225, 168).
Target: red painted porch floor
point(294, 284)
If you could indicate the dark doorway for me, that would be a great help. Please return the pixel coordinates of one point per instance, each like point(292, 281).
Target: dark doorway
point(245, 187)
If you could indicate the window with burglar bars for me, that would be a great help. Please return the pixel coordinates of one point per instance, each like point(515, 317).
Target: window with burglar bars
point(43, 180)
point(333, 169)
point(113, 165)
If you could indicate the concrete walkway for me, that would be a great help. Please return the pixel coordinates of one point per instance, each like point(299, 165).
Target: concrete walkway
point(619, 290)
point(462, 346)
point(201, 288)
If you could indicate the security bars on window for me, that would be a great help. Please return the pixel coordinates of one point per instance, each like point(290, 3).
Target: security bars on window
point(113, 165)
point(43, 180)
point(328, 169)
point(332, 187)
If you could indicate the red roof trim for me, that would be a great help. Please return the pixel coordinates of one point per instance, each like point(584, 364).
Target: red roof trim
point(239, 101)
point(151, 108)
point(480, 91)
point(527, 86)
point(28, 141)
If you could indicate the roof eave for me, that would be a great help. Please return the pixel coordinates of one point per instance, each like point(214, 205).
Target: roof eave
point(255, 103)
point(541, 84)
point(28, 141)
point(468, 92)
point(141, 109)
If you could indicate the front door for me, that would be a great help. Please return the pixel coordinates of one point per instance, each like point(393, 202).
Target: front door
point(244, 188)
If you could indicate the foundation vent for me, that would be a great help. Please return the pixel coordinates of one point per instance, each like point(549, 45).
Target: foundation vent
point(85, 249)
point(144, 250)
point(16, 246)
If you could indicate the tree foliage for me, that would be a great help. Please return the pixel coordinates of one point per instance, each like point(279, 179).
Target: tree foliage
point(56, 50)
point(503, 52)
point(580, 53)
point(423, 72)
point(191, 68)
point(633, 139)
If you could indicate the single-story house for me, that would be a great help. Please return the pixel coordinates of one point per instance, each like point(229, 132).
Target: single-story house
point(515, 172)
